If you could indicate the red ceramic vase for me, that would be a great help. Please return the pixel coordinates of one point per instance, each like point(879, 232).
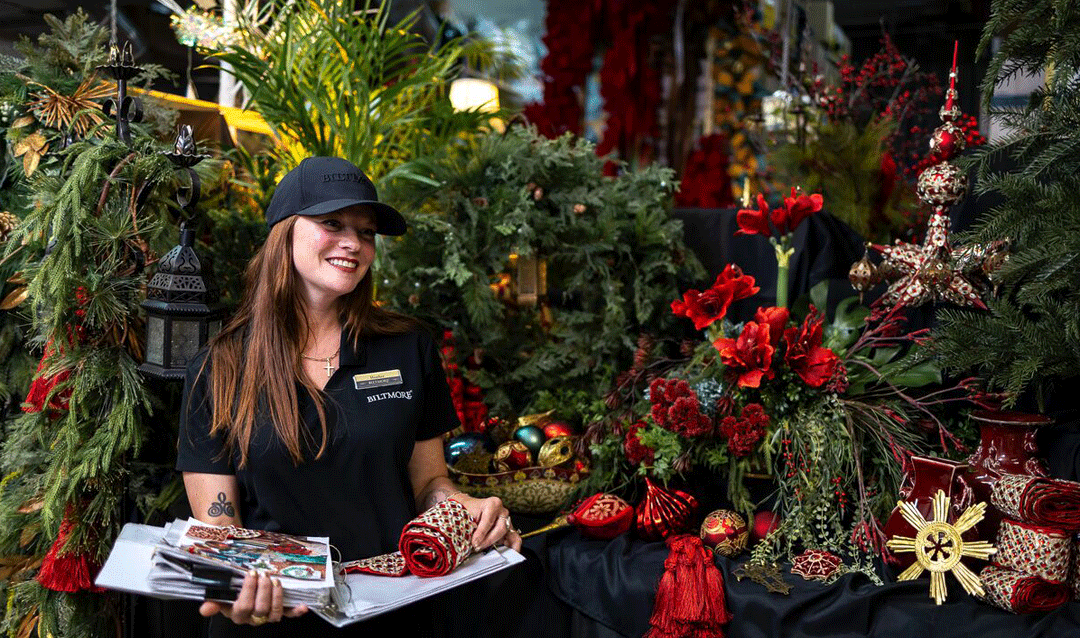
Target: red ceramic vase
point(924, 477)
point(1006, 446)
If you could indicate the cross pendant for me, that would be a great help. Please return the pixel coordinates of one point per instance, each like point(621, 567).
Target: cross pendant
point(329, 368)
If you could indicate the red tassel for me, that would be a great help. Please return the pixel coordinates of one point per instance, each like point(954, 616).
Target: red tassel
point(690, 597)
point(68, 572)
point(42, 386)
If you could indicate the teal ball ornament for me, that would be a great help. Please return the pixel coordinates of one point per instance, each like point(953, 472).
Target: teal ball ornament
point(532, 436)
point(466, 443)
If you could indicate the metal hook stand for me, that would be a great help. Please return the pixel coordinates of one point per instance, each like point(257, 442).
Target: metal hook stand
point(123, 108)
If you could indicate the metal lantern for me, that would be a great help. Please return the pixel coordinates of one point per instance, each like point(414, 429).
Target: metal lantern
point(182, 310)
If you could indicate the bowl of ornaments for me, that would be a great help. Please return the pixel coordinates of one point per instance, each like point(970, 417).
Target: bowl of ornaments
point(529, 463)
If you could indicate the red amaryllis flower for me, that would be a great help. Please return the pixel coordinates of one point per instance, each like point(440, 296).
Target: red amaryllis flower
point(706, 308)
point(805, 355)
point(777, 318)
point(754, 222)
point(750, 356)
point(797, 208)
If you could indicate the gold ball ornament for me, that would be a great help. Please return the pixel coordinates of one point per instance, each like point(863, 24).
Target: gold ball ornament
point(862, 274)
point(725, 532)
point(556, 451)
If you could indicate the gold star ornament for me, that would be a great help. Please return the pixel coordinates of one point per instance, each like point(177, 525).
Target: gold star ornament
point(938, 546)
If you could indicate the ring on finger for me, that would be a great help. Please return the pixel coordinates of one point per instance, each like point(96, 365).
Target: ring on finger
point(509, 525)
point(259, 620)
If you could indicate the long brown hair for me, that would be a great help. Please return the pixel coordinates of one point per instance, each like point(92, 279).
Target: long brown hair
point(255, 360)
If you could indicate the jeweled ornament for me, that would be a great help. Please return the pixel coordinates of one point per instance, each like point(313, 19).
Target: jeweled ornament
point(512, 455)
point(466, 443)
point(602, 516)
point(938, 546)
point(816, 564)
point(664, 512)
point(553, 429)
point(556, 451)
point(725, 533)
point(532, 436)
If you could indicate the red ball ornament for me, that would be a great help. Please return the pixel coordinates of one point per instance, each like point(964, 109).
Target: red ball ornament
point(512, 455)
point(725, 532)
point(764, 523)
point(664, 512)
point(557, 428)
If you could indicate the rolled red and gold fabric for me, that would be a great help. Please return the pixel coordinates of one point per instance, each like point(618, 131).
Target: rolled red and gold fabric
point(1037, 551)
point(432, 544)
point(1038, 500)
point(1076, 568)
point(1021, 593)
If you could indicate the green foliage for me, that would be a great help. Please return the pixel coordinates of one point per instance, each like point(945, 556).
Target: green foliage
point(612, 267)
point(843, 162)
point(333, 80)
point(1029, 340)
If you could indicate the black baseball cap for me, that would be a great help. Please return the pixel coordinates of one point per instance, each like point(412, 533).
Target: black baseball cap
point(321, 185)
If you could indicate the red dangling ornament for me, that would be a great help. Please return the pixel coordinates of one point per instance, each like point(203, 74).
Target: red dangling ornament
point(67, 571)
point(664, 512)
point(602, 516)
point(38, 399)
point(690, 596)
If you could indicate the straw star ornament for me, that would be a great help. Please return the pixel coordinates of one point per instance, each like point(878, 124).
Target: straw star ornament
point(938, 546)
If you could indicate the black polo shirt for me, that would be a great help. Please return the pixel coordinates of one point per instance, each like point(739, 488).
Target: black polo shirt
point(358, 493)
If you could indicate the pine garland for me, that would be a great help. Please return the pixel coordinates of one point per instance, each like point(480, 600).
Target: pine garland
point(1029, 341)
point(65, 460)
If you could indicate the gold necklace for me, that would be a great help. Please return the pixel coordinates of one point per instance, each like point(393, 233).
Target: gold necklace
point(329, 366)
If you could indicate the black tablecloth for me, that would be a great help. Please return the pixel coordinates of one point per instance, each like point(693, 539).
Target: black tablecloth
point(614, 584)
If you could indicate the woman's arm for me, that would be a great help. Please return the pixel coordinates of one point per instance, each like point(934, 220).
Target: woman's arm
point(213, 498)
point(430, 483)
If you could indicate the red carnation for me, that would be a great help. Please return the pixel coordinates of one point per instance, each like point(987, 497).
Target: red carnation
point(750, 356)
point(805, 355)
point(637, 452)
point(744, 432)
point(706, 308)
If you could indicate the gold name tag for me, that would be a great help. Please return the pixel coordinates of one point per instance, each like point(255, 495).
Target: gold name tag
point(377, 379)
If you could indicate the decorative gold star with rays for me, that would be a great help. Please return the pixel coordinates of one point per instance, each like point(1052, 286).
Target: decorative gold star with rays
point(938, 546)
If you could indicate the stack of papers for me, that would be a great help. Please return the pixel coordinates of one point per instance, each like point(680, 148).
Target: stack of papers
point(191, 560)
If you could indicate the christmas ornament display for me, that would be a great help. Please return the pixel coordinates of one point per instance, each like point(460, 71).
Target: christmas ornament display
point(1039, 501)
point(512, 455)
point(816, 564)
point(1042, 552)
point(531, 436)
point(1021, 593)
point(663, 512)
point(602, 516)
point(938, 546)
point(556, 451)
point(466, 443)
point(924, 272)
point(725, 533)
point(557, 428)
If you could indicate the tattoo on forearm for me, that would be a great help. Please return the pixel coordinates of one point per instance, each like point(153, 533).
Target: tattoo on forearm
point(437, 495)
point(221, 507)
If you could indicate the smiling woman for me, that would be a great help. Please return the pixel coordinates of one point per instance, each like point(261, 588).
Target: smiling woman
point(315, 412)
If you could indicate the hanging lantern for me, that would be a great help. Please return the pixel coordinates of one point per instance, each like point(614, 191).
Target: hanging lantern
point(182, 310)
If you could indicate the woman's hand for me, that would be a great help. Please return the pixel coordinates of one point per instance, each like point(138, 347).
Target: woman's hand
point(259, 602)
point(492, 522)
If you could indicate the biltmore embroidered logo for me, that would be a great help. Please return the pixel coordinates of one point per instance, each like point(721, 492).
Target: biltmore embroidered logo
point(397, 394)
point(342, 177)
